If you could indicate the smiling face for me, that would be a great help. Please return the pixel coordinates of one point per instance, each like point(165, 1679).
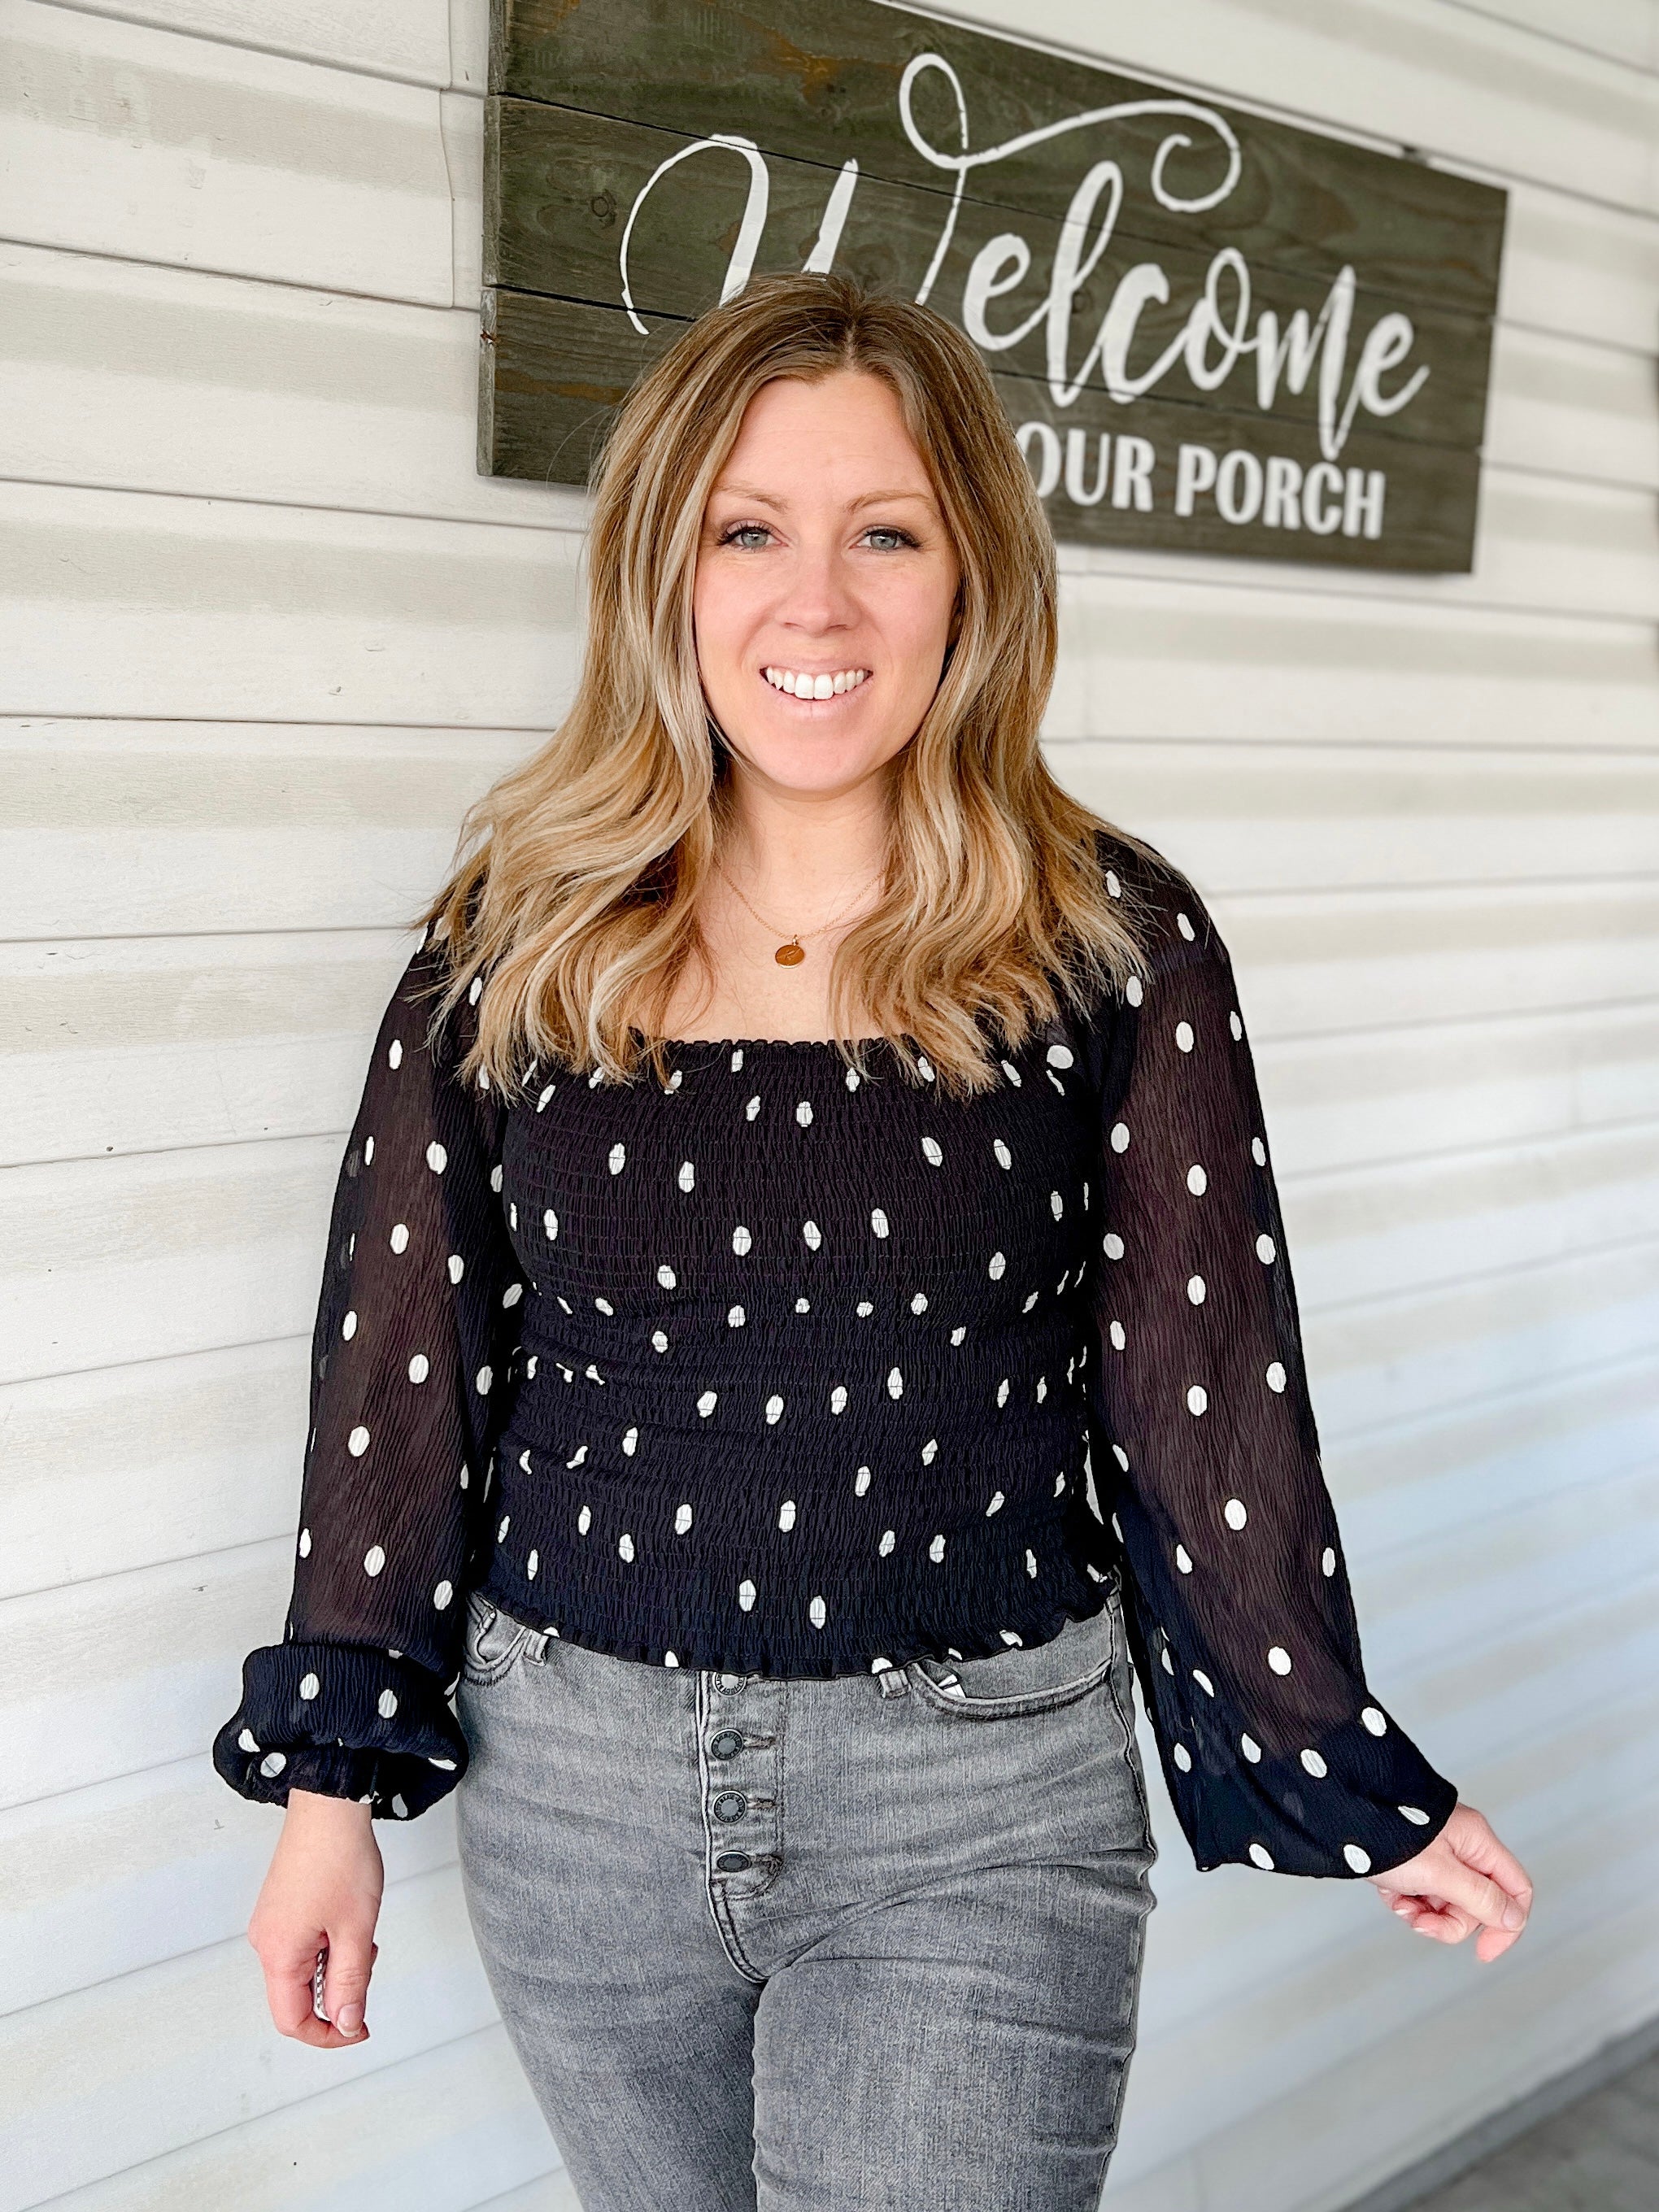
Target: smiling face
point(824, 585)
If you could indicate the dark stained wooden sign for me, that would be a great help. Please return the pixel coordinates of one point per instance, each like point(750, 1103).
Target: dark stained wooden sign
point(1211, 332)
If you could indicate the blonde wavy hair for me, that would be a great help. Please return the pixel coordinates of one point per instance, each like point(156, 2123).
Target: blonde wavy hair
point(577, 874)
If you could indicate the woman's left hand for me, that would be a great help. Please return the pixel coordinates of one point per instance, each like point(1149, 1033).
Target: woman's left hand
point(1464, 1880)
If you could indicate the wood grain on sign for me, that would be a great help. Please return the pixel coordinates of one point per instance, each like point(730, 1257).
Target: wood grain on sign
point(1212, 330)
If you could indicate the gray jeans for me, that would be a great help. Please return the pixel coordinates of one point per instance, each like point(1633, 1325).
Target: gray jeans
point(867, 1944)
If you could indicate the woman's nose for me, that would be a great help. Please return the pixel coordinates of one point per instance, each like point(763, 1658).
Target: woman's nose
point(820, 593)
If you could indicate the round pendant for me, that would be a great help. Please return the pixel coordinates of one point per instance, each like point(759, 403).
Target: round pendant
point(790, 955)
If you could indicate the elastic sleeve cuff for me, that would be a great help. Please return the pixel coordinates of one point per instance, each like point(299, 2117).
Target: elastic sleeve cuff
point(1278, 1818)
point(345, 1720)
point(331, 1771)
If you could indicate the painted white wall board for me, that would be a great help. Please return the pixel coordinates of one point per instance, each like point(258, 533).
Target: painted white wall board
point(144, 1867)
point(1391, 1360)
point(142, 143)
point(404, 39)
point(145, 1044)
point(1622, 30)
point(1350, 2124)
point(173, 2053)
point(163, 1461)
point(1578, 263)
point(433, 2128)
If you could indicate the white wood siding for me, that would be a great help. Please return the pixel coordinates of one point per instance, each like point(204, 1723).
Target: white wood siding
point(264, 633)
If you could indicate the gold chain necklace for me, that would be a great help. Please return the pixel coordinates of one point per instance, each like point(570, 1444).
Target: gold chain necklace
point(792, 951)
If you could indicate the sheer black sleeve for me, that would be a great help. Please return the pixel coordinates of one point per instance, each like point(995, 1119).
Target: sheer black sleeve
point(410, 1356)
point(1242, 1622)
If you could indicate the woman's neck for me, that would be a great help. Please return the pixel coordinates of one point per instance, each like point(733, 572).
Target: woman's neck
point(798, 855)
point(788, 864)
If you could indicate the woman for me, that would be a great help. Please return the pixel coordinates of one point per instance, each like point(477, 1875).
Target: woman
point(804, 1133)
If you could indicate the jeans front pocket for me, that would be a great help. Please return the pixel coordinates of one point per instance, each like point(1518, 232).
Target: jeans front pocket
point(1037, 1678)
point(492, 1641)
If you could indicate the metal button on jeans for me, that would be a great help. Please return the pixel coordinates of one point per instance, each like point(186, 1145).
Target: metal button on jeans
point(727, 1744)
point(733, 1862)
point(731, 1805)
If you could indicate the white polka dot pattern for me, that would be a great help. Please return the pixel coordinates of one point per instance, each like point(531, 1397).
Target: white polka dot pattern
point(568, 1351)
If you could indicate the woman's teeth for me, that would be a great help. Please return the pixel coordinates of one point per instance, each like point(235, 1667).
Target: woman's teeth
point(802, 686)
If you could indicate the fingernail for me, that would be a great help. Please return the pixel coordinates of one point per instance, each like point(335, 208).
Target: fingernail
point(1513, 1916)
point(348, 2018)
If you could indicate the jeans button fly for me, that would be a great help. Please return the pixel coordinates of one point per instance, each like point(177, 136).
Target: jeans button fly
point(731, 1805)
point(734, 1862)
point(727, 1744)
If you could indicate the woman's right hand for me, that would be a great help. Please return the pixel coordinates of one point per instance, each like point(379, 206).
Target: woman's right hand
point(324, 1888)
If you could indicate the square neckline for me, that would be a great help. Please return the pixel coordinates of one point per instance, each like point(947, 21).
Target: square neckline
point(767, 1044)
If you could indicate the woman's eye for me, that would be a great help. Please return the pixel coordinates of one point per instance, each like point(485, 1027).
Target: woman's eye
point(749, 536)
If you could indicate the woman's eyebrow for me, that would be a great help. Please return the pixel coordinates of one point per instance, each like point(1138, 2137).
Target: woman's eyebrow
point(776, 499)
point(885, 498)
point(750, 491)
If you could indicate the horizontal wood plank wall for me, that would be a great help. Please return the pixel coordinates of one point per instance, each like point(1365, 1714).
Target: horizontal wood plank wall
point(264, 632)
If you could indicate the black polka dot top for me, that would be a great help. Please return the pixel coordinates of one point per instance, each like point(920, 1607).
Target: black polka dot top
point(773, 1369)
